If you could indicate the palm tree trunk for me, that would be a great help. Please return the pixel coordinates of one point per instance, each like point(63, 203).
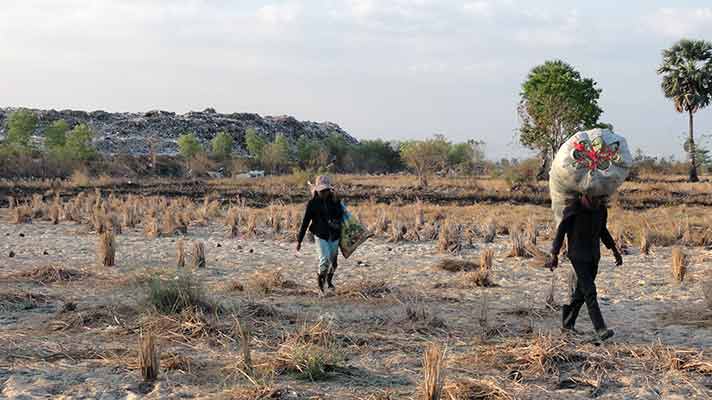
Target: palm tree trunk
point(693, 153)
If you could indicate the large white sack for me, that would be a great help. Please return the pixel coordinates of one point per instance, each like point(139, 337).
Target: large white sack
point(594, 162)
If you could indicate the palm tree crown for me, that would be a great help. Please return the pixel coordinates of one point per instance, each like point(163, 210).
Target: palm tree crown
point(687, 74)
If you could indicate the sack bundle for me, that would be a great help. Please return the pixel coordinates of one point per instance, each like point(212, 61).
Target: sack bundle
point(594, 162)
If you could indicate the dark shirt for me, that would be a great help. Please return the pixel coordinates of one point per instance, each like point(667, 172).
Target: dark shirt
point(317, 216)
point(585, 229)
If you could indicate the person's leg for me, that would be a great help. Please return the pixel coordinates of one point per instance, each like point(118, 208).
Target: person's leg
point(586, 273)
point(324, 251)
point(332, 270)
point(570, 312)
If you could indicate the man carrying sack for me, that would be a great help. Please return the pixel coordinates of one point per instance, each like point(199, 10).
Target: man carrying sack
point(586, 171)
point(584, 224)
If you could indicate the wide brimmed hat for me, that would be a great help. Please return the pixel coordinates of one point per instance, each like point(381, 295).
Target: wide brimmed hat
point(322, 182)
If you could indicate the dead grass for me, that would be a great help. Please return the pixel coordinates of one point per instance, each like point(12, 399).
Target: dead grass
point(366, 290)
point(645, 241)
point(51, 274)
point(180, 253)
point(106, 249)
point(679, 264)
point(517, 243)
point(450, 238)
point(17, 300)
point(267, 281)
point(707, 289)
point(476, 389)
point(311, 353)
point(149, 358)
point(21, 215)
point(433, 372)
point(456, 265)
point(482, 276)
point(198, 256)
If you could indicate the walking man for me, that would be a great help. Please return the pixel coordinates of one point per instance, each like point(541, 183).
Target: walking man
point(584, 225)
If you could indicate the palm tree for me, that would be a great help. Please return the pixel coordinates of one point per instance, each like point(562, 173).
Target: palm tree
point(687, 80)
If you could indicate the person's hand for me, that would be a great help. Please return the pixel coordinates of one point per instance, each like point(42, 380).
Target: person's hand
point(299, 246)
point(619, 258)
point(554, 262)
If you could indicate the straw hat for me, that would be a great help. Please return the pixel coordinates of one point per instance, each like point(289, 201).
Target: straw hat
point(322, 182)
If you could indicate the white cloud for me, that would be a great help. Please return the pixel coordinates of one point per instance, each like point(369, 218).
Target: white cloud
point(552, 31)
point(277, 14)
point(677, 22)
point(479, 8)
point(362, 8)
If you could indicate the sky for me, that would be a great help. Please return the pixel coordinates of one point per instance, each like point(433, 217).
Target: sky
point(390, 69)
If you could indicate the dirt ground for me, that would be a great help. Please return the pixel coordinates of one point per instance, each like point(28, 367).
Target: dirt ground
point(77, 337)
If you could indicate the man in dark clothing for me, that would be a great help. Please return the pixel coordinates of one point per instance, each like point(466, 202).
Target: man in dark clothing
point(584, 224)
point(323, 216)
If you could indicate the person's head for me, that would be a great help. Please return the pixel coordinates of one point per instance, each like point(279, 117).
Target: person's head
point(323, 187)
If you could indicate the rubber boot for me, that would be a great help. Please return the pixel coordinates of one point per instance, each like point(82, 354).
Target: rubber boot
point(321, 280)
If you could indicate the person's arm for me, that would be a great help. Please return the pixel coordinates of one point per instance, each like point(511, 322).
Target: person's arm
point(608, 241)
point(560, 234)
point(305, 224)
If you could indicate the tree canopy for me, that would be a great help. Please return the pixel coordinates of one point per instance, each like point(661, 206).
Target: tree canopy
point(222, 145)
point(556, 102)
point(189, 146)
point(20, 126)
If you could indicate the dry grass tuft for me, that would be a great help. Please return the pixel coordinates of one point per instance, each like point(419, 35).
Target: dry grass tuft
point(311, 353)
point(149, 359)
point(173, 296)
point(232, 221)
point(198, 260)
point(645, 241)
point(707, 289)
point(433, 372)
point(679, 264)
point(489, 232)
point(450, 237)
point(55, 211)
point(480, 389)
point(15, 300)
point(180, 253)
point(481, 277)
point(150, 227)
point(517, 242)
point(367, 290)
point(51, 274)
point(455, 265)
point(106, 249)
point(21, 215)
point(532, 231)
point(266, 281)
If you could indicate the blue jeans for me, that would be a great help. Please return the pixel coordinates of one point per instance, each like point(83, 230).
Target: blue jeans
point(328, 250)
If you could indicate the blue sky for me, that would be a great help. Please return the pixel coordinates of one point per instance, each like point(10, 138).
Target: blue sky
point(387, 69)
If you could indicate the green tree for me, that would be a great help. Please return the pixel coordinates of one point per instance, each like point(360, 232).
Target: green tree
point(338, 149)
point(275, 156)
point(189, 146)
point(425, 156)
point(310, 153)
point(56, 135)
point(686, 73)
point(78, 144)
point(556, 102)
point(255, 143)
point(222, 145)
point(20, 126)
point(375, 156)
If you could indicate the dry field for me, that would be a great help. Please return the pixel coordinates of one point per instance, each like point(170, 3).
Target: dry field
point(110, 296)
